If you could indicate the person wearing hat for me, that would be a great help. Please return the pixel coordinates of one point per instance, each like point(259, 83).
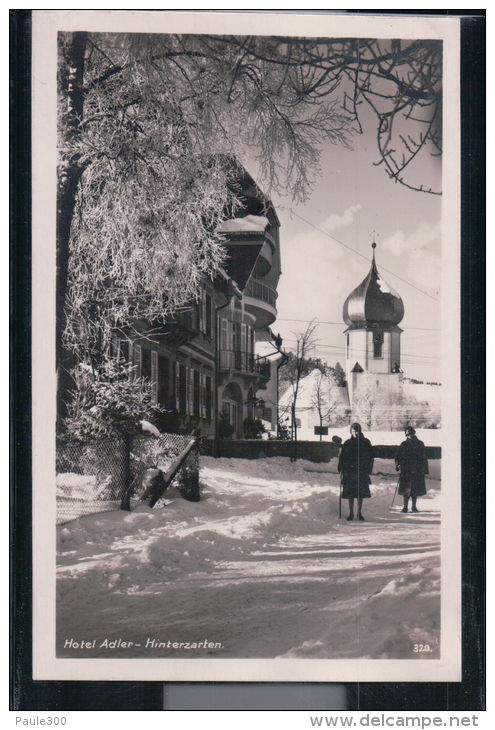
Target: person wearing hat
point(412, 464)
point(355, 465)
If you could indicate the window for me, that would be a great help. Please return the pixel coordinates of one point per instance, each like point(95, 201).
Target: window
point(377, 345)
point(195, 392)
point(146, 363)
point(208, 330)
point(236, 336)
point(124, 350)
point(267, 414)
point(236, 345)
point(190, 391)
point(182, 388)
point(120, 349)
point(223, 334)
point(200, 307)
point(208, 398)
point(154, 376)
point(163, 391)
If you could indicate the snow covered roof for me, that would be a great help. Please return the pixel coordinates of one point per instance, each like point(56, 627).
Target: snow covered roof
point(306, 392)
point(249, 223)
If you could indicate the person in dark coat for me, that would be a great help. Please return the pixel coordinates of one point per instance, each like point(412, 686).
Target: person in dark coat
point(355, 465)
point(411, 462)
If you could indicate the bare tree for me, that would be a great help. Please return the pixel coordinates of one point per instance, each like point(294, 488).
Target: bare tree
point(324, 398)
point(305, 343)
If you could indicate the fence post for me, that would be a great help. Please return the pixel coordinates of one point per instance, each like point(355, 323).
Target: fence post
point(125, 502)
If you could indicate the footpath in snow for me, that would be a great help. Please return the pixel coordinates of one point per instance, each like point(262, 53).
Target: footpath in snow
point(261, 567)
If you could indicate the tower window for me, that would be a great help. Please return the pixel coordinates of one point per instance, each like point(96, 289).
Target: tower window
point(377, 345)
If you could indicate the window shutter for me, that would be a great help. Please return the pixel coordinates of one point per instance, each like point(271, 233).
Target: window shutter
point(177, 386)
point(190, 394)
point(137, 360)
point(203, 311)
point(223, 334)
point(208, 318)
point(203, 398)
point(186, 375)
point(154, 376)
point(200, 310)
point(208, 395)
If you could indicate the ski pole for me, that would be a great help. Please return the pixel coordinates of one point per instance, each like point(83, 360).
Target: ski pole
point(340, 497)
point(395, 493)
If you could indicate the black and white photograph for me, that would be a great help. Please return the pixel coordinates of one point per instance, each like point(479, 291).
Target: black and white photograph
point(246, 316)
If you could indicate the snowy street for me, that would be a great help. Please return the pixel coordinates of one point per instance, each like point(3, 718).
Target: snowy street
point(261, 567)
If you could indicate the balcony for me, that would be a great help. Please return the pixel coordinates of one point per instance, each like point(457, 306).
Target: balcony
point(245, 363)
point(180, 329)
point(261, 300)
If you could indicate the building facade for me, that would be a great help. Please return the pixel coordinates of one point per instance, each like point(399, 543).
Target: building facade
point(203, 364)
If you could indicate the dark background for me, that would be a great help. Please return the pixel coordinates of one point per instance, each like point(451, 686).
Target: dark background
point(26, 694)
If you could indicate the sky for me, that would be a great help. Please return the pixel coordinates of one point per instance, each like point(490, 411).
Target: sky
point(326, 253)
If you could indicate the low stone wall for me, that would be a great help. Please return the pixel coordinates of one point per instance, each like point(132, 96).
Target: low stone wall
point(316, 451)
point(259, 449)
point(388, 452)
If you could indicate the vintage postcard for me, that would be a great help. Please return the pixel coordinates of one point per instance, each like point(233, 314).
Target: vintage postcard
point(246, 333)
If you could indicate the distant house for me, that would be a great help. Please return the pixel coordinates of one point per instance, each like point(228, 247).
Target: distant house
point(204, 364)
point(321, 403)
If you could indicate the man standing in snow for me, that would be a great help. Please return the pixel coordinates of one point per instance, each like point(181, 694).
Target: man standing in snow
point(355, 465)
point(411, 462)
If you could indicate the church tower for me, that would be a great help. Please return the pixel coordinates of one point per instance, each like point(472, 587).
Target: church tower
point(372, 313)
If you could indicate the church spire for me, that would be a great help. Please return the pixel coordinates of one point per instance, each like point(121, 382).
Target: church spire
point(373, 302)
point(373, 246)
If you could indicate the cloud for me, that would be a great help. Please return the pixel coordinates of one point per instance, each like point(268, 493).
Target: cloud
point(395, 243)
point(335, 221)
point(424, 269)
point(420, 255)
point(424, 235)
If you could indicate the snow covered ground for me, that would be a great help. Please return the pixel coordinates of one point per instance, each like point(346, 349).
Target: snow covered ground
point(261, 567)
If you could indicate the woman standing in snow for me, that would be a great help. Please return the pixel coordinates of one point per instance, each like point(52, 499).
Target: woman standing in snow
point(356, 465)
point(411, 462)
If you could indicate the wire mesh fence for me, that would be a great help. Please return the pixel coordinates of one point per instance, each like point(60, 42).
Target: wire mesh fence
point(98, 476)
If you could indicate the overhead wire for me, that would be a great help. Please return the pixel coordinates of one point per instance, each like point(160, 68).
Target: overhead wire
point(358, 253)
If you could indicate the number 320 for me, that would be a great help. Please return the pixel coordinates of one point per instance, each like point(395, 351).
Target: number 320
point(420, 648)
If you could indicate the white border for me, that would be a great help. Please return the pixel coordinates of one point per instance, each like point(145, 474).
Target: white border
point(46, 24)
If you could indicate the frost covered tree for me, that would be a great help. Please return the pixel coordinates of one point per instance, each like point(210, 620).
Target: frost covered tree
point(148, 129)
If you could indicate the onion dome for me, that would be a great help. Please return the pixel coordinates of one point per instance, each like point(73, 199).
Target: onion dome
point(373, 302)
